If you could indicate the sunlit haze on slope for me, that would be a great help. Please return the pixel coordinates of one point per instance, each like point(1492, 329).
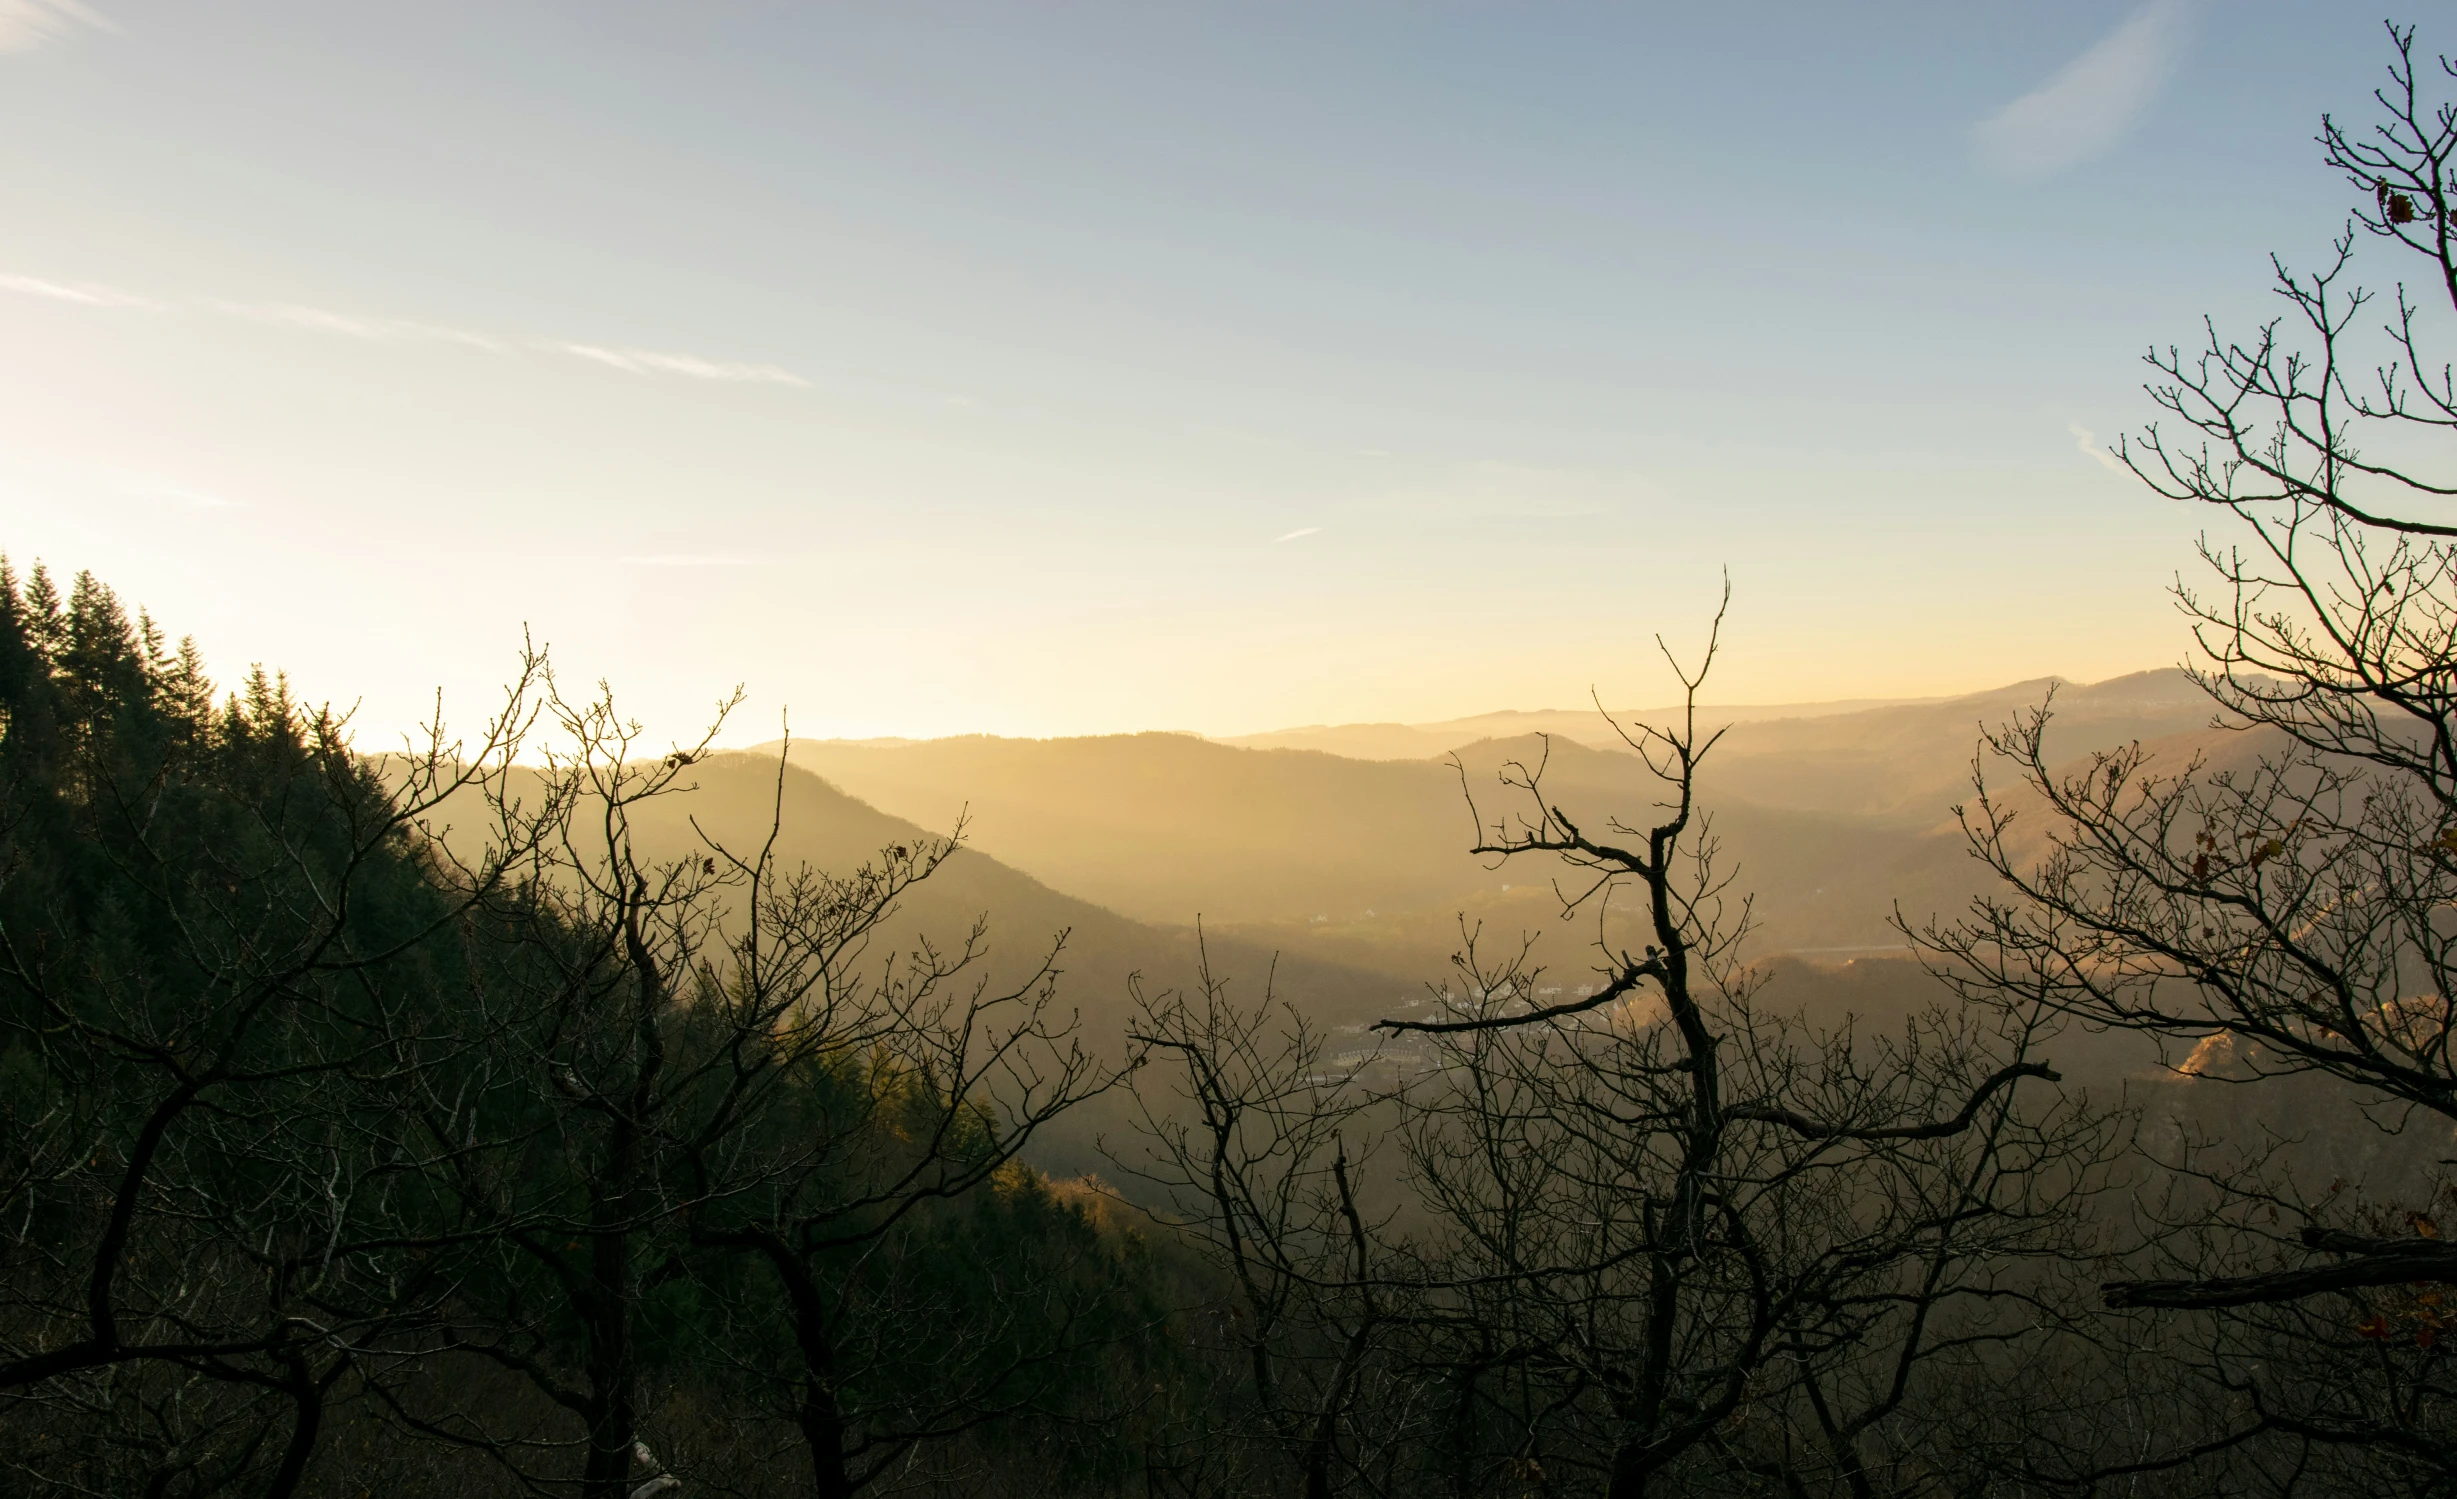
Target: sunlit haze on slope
point(1035, 369)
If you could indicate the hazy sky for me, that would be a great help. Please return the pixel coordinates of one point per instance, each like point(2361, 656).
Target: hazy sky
point(1068, 367)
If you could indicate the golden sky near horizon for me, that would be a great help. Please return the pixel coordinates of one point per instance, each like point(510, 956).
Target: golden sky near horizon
point(942, 368)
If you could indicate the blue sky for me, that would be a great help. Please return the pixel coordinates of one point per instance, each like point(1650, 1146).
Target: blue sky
point(1068, 368)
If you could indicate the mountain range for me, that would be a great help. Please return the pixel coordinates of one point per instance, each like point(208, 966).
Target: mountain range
point(1346, 883)
point(1831, 813)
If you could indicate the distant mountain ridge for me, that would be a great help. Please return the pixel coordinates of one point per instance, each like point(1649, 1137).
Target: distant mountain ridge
point(1367, 861)
point(2164, 687)
point(1417, 741)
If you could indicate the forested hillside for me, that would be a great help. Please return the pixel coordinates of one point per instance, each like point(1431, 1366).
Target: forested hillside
point(545, 1111)
point(743, 800)
point(529, 1156)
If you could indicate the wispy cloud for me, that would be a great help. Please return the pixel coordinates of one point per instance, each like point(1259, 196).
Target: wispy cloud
point(348, 325)
point(650, 362)
point(2092, 101)
point(2089, 444)
point(28, 24)
point(79, 292)
point(399, 330)
point(1300, 531)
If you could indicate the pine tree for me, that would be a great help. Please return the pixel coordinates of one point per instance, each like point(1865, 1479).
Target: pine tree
point(183, 691)
point(29, 711)
point(44, 624)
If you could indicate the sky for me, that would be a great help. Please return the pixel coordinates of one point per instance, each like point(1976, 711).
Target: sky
point(1080, 367)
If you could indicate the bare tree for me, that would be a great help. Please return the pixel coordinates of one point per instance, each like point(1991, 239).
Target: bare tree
point(214, 932)
point(565, 1127)
point(1657, 1234)
point(1688, 1235)
point(2291, 898)
point(695, 1054)
point(2274, 909)
point(1247, 1141)
point(895, 1084)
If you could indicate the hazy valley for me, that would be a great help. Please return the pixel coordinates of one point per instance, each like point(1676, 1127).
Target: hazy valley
point(1830, 818)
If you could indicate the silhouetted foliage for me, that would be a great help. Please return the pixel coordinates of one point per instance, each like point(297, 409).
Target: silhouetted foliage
point(2275, 909)
point(364, 1085)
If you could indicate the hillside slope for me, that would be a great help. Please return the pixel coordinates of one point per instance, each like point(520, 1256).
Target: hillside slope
point(730, 798)
point(1831, 815)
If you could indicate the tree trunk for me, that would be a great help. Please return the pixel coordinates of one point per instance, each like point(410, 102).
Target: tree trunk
point(823, 1431)
point(822, 1416)
point(306, 1394)
point(614, 1417)
point(1463, 1435)
point(1632, 1468)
